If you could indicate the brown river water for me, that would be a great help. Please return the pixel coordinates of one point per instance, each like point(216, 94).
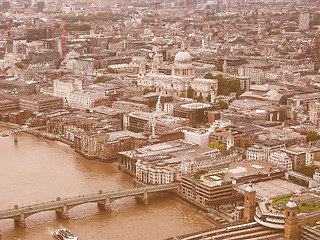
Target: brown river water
point(36, 170)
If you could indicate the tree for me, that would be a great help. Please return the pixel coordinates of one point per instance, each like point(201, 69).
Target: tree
point(223, 104)
point(216, 145)
point(313, 136)
point(102, 79)
point(208, 98)
point(171, 59)
point(77, 27)
point(239, 40)
point(219, 68)
point(225, 86)
point(199, 98)
point(96, 65)
point(239, 92)
point(272, 32)
point(148, 20)
point(208, 76)
point(122, 70)
point(182, 95)
point(190, 92)
point(147, 90)
point(110, 70)
point(316, 68)
point(19, 65)
point(241, 53)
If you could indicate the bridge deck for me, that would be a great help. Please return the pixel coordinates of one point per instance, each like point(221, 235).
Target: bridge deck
point(55, 205)
point(8, 132)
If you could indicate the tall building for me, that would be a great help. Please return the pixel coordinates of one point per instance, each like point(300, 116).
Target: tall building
point(304, 20)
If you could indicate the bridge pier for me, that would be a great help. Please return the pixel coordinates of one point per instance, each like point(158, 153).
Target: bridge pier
point(105, 205)
point(21, 222)
point(63, 212)
point(15, 138)
point(145, 199)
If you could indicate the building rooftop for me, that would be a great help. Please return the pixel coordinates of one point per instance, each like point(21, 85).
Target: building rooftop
point(273, 188)
point(196, 105)
point(241, 169)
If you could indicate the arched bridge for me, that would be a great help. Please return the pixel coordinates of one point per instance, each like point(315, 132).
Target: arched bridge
point(61, 206)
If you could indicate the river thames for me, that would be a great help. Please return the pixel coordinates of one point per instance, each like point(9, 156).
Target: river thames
point(38, 170)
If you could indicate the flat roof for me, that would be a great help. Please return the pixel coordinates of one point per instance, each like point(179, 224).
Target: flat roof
point(240, 169)
point(195, 105)
point(273, 188)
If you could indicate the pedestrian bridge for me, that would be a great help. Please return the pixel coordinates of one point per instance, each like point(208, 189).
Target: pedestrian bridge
point(61, 206)
point(17, 130)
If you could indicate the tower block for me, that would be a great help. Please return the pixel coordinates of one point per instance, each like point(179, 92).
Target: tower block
point(249, 203)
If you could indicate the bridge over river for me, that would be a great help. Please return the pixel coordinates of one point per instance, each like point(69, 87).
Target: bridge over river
point(61, 206)
point(15, 131)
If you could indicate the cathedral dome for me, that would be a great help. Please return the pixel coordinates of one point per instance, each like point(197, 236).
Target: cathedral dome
point(183, 57)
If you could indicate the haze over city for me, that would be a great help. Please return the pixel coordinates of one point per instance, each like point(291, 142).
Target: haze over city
point(159, 120)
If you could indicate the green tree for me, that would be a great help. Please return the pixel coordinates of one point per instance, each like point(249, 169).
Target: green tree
point(239, 40)
point(19, 65)
point(182, 95)
point(122, 70)
point(208, 76)
point(216, 145)
point(102, 79)
point(225, 86)
point(147, 90)
point(223, 104)
point(77, 27)
point(171, 59)
point(239, 92)
point(102, 16)
point(208, 98)
point(272, 33)
point(199, 98)
point(110, 70)
point(316, 68)
point(313, 136)
point(190, 92)
point(219, 68)
point(148, 20)
point(241, 53)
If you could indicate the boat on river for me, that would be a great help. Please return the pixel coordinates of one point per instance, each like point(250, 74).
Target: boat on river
point(64, 234)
